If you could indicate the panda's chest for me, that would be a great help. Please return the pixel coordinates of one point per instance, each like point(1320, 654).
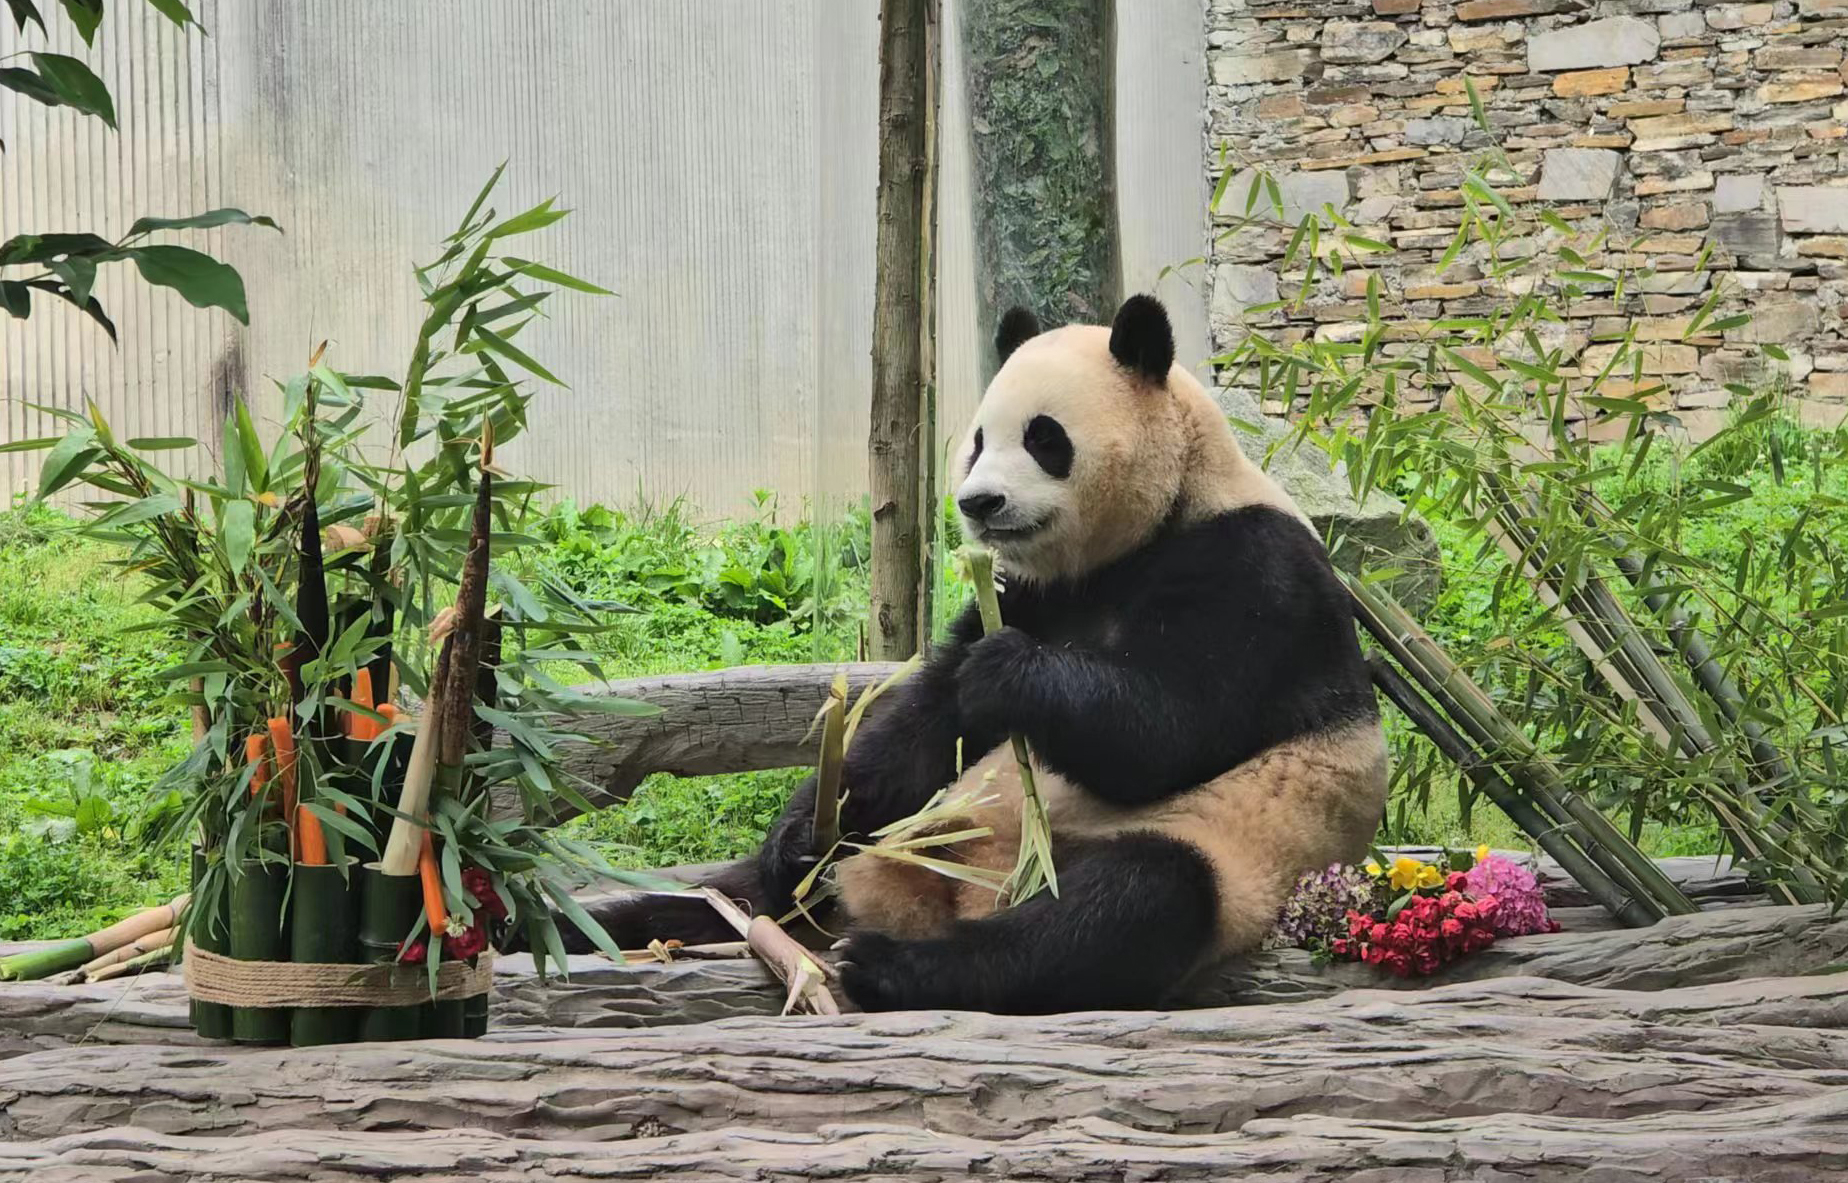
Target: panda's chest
point(1102, 629)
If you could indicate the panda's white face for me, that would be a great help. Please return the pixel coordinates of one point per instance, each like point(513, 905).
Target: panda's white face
point(1073, 458)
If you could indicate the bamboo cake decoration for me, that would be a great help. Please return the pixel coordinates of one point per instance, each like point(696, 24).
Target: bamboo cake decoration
point(306, 576)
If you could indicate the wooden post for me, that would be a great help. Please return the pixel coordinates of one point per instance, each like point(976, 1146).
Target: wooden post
point(930, 511)
point(894, 443)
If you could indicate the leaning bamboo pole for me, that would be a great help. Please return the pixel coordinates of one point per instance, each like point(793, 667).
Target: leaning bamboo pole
point(1621, 900)
point(1473, 711)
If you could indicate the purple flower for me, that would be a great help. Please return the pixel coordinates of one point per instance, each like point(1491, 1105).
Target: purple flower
point(1316, 913)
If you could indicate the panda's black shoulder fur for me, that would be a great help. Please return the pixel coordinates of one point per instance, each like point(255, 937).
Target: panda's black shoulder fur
point(1214, 641)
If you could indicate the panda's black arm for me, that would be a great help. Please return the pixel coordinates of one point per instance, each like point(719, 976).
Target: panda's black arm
point(1131, 735)
point(899, 757)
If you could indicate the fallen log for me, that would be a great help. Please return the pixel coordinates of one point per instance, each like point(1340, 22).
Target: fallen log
point(745, 719)
point(1735, 944)
point(1803, 1140)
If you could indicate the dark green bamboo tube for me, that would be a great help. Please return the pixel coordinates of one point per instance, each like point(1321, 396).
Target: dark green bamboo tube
point(475, 1016)
point(392, 904)
point(259, 933)
point(447, 1019)
point(212, 1020)
point(324, 927)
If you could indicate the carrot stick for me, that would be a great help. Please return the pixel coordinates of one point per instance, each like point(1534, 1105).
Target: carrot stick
point(310, 837)
point(359, 726)
point(283, 740)
point(432, 889)
point(255, 748)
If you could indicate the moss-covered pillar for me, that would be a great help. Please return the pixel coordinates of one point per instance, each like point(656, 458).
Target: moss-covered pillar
point(1039, 75)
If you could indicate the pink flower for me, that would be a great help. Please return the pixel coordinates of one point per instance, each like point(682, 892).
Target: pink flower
point(1521, 904)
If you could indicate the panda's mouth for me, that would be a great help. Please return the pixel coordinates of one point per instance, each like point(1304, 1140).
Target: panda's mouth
point(995, 535)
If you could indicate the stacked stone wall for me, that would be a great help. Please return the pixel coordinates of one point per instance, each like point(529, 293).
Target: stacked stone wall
point(1695, 127)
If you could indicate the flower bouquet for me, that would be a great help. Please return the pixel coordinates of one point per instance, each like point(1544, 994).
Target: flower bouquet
point(1409, 917)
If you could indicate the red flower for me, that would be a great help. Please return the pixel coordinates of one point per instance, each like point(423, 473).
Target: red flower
point(413, 953)
point(481, 886)
point(1454, 881)
point(1340, 946)
point(1467, 912)
point(1376, 933)
point(473, 940)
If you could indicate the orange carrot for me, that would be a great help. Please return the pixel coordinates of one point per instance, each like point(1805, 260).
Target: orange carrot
point(432, 889)
point(255, 748)
point(359, 726)
point(312, 839)
point(282, 738)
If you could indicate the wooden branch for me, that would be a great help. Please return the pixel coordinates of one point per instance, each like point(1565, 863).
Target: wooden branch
point(736, 720)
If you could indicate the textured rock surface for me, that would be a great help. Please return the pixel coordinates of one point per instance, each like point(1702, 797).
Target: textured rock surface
point(1698, 123)
point(1670, 1053)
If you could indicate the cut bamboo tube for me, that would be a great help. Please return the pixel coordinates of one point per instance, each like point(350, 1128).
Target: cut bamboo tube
point(212, 1020)
point(74, 953)
point(389, 913)
point(324, 906)
point(259, 933)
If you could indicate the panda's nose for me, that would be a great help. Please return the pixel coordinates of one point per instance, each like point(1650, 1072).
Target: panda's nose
point(979, 507)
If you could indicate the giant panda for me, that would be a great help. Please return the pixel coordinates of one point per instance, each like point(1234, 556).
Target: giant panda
point(1179, 655)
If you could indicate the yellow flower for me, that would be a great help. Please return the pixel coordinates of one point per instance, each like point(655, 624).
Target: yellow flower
point(1405, 873)
point(1482, 852)
point(1374, 869)
point(1429, 876)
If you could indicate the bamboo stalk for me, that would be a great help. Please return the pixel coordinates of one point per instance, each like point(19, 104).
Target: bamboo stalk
point(406, 838)
point(72, 954)
point(1033, 868)
point(259, 932)
point(1473, 711)
point(133, 949)
point(1708, 674)
point(826, 833)
point(144, 961)
point(792, 964)
point(324, 903)
point(1607, 636)
point(1632, 910)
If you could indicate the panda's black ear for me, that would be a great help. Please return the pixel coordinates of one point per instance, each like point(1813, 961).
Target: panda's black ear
point(1017, 326)
point(1142, 339)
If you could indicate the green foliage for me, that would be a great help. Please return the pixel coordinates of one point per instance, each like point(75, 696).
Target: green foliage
point(63, 266)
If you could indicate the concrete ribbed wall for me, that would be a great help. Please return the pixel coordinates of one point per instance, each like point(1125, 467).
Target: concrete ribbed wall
point(720, 158)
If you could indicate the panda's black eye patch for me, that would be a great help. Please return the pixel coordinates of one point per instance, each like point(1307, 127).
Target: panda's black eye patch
point(1045, 440)
point(975, 453)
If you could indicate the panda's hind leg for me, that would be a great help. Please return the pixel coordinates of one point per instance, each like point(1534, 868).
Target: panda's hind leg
point(1134, 915)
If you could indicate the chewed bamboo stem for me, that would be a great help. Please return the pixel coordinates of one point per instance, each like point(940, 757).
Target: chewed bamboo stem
point(1034, 868)
point(793, 965)
point(827, 825)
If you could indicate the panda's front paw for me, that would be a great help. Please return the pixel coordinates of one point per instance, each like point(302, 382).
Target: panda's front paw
point(879, 973)
point(995, 680)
